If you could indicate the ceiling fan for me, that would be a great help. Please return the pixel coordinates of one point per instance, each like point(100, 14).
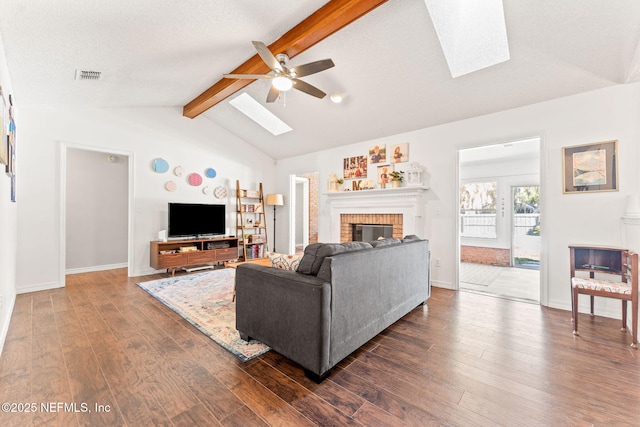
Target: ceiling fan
point(284, 78)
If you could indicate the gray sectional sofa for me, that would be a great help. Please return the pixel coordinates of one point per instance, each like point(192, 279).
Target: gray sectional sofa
point(341, 296)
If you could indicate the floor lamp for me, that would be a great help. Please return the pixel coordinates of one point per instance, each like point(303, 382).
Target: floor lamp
point(274, 200)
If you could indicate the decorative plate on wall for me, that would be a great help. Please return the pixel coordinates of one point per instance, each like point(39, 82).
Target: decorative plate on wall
point(220, 192)
point(195, 179)
point(178, 171)
point(170, 186)
point(210, 172)
point(160, 165)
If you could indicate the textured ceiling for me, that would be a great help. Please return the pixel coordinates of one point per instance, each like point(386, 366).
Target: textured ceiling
point(389, 64)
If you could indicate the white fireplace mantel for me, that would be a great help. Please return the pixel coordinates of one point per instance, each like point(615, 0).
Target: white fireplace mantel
point(408, 201)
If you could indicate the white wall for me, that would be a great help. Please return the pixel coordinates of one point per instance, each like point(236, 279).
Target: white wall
point(8, 218)
point(144, 133)
point(594, 218)
point(96, 211)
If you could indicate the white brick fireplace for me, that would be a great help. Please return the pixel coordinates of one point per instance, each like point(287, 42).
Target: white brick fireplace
point(409, 202)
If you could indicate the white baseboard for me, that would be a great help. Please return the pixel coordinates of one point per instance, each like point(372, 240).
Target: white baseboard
point(95, 268)
point(440, 284)
point(39, 287)
point(5, 322)
point(146, 272)
point(584, 307)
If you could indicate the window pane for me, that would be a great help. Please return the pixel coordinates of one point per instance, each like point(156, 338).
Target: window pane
point(478, 209)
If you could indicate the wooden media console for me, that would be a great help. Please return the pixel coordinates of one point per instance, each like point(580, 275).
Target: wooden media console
point(192, 252)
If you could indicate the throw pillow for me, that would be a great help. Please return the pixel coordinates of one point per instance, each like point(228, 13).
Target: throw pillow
point(285, 262)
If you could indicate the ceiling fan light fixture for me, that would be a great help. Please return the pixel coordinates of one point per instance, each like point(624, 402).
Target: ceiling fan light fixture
point(337, 98)
point(282, 83)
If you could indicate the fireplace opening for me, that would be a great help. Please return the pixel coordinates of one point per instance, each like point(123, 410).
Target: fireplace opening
point(369, 232)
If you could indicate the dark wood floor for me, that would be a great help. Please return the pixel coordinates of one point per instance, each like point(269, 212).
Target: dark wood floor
point(463, 359)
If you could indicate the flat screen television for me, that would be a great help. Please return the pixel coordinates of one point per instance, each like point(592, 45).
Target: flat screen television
point(195, 220)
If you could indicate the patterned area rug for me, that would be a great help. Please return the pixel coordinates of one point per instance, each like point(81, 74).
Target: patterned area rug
point(478, 274)
point(204, 300)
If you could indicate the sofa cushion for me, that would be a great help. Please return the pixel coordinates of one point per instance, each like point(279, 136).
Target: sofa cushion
point(410, 238)
point(385, 242)
point(356, 246)
point(328, 249)
point(306, 263)
point(284, 261)
point(315, 253)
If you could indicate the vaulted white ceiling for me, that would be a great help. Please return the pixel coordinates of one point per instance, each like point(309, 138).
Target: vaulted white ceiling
point(389, 64)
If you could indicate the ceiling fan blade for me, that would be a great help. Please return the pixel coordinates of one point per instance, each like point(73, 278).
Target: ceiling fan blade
point(247, 76)
point(308, 89)
point(273, 94)
point(312, 67)
point(267, 56)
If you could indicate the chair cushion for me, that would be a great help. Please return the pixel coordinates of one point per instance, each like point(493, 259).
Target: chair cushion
point(601, 285)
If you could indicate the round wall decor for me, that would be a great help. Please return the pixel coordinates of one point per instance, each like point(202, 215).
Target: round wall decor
point(170, 186)
point(205, 190)
point(160, 165)
point(178, 171)
point(210, 172)
point(220, 192)
point(195, 179)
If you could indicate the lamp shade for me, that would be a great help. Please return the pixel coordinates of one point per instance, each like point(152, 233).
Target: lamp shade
point(275, 200)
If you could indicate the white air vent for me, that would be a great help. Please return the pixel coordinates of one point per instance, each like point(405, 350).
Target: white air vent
point(88, 75)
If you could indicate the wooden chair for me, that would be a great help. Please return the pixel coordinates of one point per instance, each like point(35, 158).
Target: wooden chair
point(626, 290)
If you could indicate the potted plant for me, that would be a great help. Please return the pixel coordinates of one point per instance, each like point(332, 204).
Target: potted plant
point(396, 178)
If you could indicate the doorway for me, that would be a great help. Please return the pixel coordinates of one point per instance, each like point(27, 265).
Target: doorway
point(525, 234)
point(95, 209)
point(301, 218)
point(303, 211)
point(499, 220)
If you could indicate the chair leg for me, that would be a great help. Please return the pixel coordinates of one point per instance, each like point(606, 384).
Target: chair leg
point(592, 299)
point(575, 311)
point(634, 319)
point(624, 315)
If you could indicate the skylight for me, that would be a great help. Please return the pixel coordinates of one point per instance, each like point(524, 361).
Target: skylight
point(256, 112)
point(472, 33)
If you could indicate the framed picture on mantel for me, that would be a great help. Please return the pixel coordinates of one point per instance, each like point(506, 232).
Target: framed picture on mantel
point(591, 167)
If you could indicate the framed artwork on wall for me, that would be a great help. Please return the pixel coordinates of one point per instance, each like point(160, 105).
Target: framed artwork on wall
point(378, 154)
point(590, 167)
point(399, 153)
point(383, 174)
point(4, 148)
point(355, 167)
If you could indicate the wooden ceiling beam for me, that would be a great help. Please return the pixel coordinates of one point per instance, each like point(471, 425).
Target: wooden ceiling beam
point(331, 17)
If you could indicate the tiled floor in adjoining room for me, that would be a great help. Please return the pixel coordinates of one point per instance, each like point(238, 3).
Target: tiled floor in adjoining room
point(509, 282)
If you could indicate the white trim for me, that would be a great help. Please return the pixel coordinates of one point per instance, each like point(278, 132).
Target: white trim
point(39, 287)
point(6, 321)
point(96, 268)
point(64, 146)
point(292, 214)
point(305, 211)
